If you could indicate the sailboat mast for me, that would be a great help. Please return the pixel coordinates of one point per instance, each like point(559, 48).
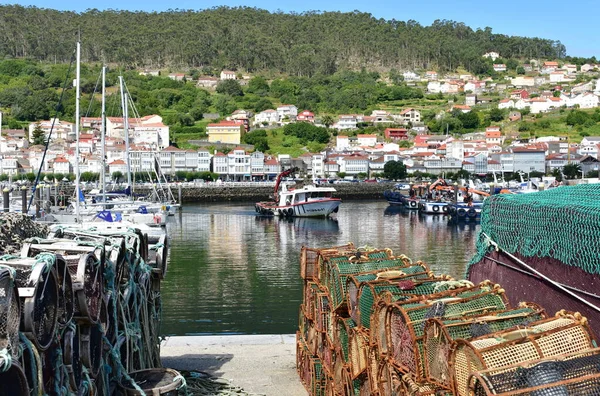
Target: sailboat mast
point(77, 120)
point(103, 141)
point(126, 128)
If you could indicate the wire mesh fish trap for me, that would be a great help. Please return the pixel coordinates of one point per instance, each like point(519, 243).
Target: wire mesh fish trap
point(91, 347)
point(570, 374)
point(440, 333)
point(405, 321)
point(88, 283)
point(10, 311)
point(84, 263)
point(32, 365)
point(71, 356)
point(158, 256)
point(13, 379)
point(155, 381)
point(38, 293)
point(565, 333)
point(310, 259)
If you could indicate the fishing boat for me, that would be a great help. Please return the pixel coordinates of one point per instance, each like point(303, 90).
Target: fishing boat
point(465, 211)
point(307, 201)
point(396, 196)
point(433, 207)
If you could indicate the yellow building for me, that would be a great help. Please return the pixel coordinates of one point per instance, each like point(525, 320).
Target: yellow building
point(225, 132)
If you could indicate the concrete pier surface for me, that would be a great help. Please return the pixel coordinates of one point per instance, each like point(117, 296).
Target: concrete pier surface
point(262, 364)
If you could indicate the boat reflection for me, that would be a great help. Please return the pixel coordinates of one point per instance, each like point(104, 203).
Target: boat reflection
point(315, 225)
point(395, 210)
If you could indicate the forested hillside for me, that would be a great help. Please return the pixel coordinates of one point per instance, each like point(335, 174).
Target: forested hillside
point(256, 40)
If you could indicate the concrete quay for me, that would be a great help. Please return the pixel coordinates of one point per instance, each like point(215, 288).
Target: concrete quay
point(260, 364)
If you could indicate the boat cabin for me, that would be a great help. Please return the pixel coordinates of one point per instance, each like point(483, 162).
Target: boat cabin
point(305, 194)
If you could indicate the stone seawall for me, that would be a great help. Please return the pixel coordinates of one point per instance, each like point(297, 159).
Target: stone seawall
point(224, 193)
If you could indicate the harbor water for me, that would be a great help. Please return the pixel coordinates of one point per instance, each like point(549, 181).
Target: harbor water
point(232, 271)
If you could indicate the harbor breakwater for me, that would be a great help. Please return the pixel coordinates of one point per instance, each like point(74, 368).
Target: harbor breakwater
point(224, 193)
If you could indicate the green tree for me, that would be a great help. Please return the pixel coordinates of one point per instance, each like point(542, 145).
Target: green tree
point(496, 114)
point(557, 174)
point(38, 135)
point(327, 120)
point(230, 87)
point(394, 170)
point(258, 85)
point(577, 117)
point(520, 70)
point(117, 176)
point(572, 171)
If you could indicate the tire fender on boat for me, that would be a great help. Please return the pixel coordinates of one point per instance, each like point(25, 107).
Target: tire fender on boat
point(279, 211)
point(471, 212)
point(413, 204)
point(290, 212)
point(461, 212)
point(445, 209)
point(436, 208)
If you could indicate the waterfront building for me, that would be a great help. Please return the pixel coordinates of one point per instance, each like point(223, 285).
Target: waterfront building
point(225, 132)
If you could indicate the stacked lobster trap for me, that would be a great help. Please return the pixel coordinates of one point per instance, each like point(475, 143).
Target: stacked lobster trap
point(372, 323)
point(80, 310)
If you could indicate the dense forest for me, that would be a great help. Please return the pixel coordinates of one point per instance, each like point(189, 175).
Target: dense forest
point(252, 40)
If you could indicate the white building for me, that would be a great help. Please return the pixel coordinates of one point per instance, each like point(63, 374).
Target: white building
point(268, 117)
point(287, 112)
point(239, 166)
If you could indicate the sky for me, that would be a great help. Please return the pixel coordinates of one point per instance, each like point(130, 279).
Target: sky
point(572, 24)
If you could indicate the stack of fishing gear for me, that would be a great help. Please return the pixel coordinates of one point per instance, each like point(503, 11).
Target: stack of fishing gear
point(372, 323)
point(80, 313)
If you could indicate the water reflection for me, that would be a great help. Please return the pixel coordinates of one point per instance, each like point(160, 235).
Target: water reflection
point(232, 271)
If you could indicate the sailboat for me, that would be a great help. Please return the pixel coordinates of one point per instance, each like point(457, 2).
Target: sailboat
point(125, 212)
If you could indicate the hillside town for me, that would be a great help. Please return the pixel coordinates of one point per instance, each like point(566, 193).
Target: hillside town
point(360, 156)
point(539, 87)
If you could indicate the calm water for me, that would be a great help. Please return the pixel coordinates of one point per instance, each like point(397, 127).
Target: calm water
point(233, 272)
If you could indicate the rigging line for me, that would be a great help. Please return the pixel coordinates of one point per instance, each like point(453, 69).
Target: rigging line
point(575, 289)
point(544, 277)
point(56, 111)
point(136, 115)
point(92, 96)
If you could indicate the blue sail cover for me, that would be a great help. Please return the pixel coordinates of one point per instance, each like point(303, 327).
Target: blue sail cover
point(108, 216)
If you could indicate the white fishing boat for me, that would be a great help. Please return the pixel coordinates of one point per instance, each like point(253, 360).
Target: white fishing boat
point(307, 201)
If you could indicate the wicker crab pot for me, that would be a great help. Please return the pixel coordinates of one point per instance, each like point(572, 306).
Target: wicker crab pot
point(361, 307)
point(10, 311)
point(570, 374)
point(439, 335)
point(38, 293)
point(335, 274)
point(311, 259)
point(405, 321)
point(565, 333)
point(388, 380)
point(310, 369)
